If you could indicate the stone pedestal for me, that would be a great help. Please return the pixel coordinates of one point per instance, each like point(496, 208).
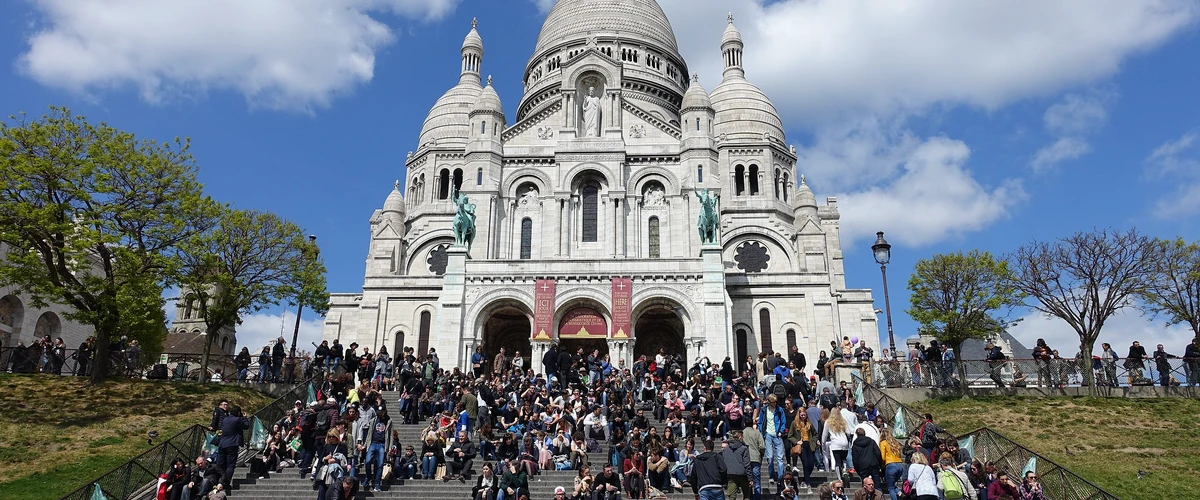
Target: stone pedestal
point(448, 336)
point(717, 326)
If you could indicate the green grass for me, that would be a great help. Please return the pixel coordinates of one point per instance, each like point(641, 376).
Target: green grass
point(56, 433)
point(1110, 439)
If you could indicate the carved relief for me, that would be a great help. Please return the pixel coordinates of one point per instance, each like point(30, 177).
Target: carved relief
point(474, 294)
point(654, 196)
point(545, 132)
point(528, 199)
point(637, 131)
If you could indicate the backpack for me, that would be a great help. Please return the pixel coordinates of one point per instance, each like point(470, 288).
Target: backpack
point(780, 391)
point(308, 420)
point(952, 488)
point(322, 421)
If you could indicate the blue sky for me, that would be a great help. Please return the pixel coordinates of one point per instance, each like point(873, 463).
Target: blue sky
point(950, 126)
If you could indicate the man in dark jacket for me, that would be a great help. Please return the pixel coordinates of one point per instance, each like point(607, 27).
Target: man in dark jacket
point(460, 457)
point(995, 359)
point(201, 479)
point(278, 352)
point(868, 461)
point(737, 465)
point(709, 475)
point(1191, 361)
point(550, 362)
point(565, 360)
point(219, 414)
point(232, 427)
point(797, 358)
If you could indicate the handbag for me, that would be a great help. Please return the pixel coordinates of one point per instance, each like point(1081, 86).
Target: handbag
point(796, 448)
point(387, 472)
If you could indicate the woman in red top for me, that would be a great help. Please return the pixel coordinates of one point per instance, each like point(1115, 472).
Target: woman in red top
point(635, 475)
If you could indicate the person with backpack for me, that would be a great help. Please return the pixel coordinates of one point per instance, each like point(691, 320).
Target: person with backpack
point(952, 482)
point(929, 435)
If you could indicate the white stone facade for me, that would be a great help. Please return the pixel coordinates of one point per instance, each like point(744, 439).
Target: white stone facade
point(560, 198)
point(21, 322)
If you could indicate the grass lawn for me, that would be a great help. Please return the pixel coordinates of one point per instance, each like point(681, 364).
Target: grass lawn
point(56, 433)
point(1110, 439)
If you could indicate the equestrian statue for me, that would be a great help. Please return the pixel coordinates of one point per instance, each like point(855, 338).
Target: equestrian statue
point(464, 221)
point(710, 220)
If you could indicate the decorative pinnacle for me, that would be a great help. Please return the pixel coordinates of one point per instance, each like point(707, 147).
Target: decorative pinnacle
point(397, 184)
point(695, 77)
point(489, 80)
point(730, 18)
point(802, 180)
point(474, 23)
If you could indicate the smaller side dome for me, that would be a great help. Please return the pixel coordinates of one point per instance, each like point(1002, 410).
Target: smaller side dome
point(489, 101)
point(804, 195)
point(696, 97)
point(473, 40)
point(394, 204)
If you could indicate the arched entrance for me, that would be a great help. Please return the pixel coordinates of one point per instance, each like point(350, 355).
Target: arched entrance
point(658, 324)
point(583, 327)
point(12, 314)
point(507, 324)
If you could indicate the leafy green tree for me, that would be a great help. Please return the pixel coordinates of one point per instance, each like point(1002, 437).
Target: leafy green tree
point(93, 216)
point(1173, 290)
point(956, 297)
point(249, 261)
point(1085, 278)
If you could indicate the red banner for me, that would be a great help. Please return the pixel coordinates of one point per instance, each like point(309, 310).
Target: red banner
point(582, 323)
point(622, 294)
point(543, 309)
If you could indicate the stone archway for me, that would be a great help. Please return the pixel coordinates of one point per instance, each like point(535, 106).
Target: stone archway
point(12, 315)
point(658, 324)
point(506, 324)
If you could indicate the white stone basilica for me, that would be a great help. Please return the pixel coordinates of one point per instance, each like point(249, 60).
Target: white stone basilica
point(587, 212)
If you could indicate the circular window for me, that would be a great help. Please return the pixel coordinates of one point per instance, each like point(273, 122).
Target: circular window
point(437, 260)
point(752, 257)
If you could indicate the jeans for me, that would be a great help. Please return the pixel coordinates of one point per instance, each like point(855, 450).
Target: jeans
point(487, 450)
point(264, 373)
point(893, 474)
point(276, 369)
point(708, 494)
point(755, 480)
point(407, 471)
point(374, 464)
point(774, 456)
point(428, 467)
point(243, 374)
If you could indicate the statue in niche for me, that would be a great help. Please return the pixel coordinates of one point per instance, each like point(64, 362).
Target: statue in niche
point(591, 114)
point(655, 197)
point(529, 197)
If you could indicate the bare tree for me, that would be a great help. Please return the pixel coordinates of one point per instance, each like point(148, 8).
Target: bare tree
point(1174, 288)
point(1084, 279)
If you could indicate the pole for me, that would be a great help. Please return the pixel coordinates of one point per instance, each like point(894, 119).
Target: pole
point(295, 333)
point(887, 303)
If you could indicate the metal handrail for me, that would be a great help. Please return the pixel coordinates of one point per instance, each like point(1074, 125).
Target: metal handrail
point(1028, 372)
point(1058, 482)
point(183, 366)
point(136, 478)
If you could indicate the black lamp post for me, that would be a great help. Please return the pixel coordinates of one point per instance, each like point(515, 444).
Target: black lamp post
point(291, 374)
point(883, 255)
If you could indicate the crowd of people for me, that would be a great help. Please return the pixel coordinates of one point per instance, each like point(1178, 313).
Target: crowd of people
point(658, 426)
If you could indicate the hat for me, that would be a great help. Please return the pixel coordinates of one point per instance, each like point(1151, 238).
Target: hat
point(560, 489)
point(299, 402)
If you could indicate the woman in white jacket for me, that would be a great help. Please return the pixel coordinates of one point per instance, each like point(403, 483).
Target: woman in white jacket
point(923, 478)
point(837, 434)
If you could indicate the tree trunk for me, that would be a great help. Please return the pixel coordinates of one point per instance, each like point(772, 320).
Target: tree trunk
point(1089, 376)
point(100, 358)
point(962, 369)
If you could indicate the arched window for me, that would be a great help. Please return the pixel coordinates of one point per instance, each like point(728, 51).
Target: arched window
point(699, 174)
point(742, 344)
point(697, 124)
point(444, 184)
point(739, 180)
point(591, 211)
point(479, 177)
point(188, 303)
point(652, 237)
point(458, 178)
point(483, 127)
point(776, 184)
point(224, 340)
point(764, 321)
point(753, 180)
point(526, 238)
point(423, 340)
point(784, 185)
point(791, 340)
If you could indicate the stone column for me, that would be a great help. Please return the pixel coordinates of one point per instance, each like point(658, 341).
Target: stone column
point(718, 331)
point(536, 352)
point(448, 335)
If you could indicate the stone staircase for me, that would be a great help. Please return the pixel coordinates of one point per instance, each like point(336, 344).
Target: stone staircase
point(289, 485)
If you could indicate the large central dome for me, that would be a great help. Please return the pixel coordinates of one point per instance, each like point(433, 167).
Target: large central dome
point(578, 19)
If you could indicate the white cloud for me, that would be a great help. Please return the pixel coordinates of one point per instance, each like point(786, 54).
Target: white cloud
point(1071, 120)
point(1120, 330)
point(544, 5)
point(285, 54)
point(260, 329)
point(1066, 148)
point(1178, 162)
point(823, 59)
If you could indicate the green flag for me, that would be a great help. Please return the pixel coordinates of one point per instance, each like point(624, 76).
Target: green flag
point(856, 375)
point(968, 444)
point(312, 394)
point(258, 435)
point(97, 493)
point(210, 443)
point(899, 429)
point(1030, 467)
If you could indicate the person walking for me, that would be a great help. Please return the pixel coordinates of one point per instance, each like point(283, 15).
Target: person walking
point(772, 424)
point(232, 427)
point(737, 465)
point(755, 446)
point(709, 474)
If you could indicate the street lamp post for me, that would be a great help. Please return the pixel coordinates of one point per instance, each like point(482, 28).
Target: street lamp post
point(883, 255)
point(312, 240)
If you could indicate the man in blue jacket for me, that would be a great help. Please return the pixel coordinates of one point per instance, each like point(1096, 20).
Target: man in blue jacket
point(232, 428)
point(772, 423)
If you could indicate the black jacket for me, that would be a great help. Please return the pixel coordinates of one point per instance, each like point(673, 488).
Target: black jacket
point(550, 361)
point(565, 360)
point(866, 454)
point(467, 448)
point(278, 351)
point(797, 358)
point(708, 469)
point(231, 431)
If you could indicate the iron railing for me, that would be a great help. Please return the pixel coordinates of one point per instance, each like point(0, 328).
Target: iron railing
point(137, 478)
point(180, 366)
point(1050, 373)
point(989, 446)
